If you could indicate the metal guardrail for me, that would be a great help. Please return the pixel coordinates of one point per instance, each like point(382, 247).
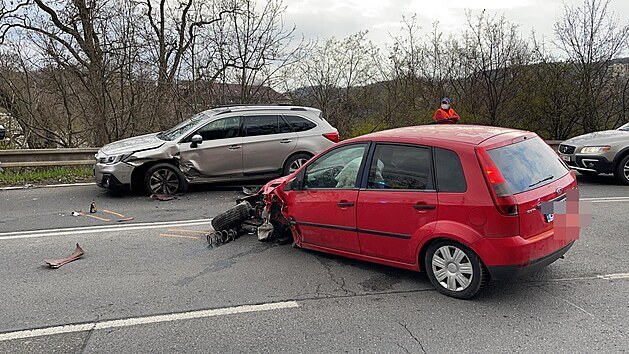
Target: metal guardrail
point(554, 143)
point(47, 157)
point(76, 157)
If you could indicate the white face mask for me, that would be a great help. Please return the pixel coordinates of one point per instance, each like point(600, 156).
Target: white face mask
point(445, 107)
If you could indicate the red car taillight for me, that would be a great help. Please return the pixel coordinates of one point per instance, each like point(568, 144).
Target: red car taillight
point(500, 191)
point(333, 137)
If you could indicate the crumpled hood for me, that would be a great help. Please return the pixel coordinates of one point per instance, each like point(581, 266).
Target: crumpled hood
point(143, 142)
point(274, 184)
point(606, 137)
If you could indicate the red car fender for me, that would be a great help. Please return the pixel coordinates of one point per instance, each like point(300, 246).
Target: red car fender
point(444, 229)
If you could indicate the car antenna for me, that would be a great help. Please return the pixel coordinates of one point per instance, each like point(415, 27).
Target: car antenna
point(376, 127)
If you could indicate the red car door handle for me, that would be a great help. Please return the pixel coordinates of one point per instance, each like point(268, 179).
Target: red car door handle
point(424, 207)
point(345, 204)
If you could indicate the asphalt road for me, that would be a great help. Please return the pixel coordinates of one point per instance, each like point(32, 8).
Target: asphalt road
point(153, 285)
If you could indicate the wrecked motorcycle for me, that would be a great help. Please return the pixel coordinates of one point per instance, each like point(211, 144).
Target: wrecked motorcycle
point(260, 212)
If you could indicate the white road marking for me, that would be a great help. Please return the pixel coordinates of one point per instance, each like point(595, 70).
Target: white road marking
point(100, 229)
point(71, 328)
point(605, 200)
point(70, 185)
point(615, 276)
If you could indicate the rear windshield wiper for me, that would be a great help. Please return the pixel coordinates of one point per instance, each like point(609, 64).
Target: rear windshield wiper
point(543, 180)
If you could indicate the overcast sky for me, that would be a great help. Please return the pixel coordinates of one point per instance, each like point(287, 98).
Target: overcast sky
point(340, 18)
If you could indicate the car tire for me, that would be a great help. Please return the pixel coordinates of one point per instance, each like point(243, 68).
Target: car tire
point(164, 178)
point(233, 217)
point(589, 173)
point(455, 270)
point(294, 162)
point(622, 171)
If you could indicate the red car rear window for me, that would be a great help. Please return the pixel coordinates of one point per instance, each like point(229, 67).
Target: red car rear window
point(528, 164)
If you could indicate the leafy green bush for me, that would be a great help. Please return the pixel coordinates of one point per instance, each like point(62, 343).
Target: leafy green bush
point(34, 175)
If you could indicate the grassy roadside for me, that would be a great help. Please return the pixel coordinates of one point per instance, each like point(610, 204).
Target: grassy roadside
point(41, 176)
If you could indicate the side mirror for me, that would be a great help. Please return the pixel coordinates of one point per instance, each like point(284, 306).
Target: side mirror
point(3, 132)
point(196, 140)
point(290, 185)
point(294, 183)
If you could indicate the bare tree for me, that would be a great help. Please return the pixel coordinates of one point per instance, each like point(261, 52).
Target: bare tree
point(330, 71)
point(67, 33)
point(171, 31)
point(591, 37)
point(491, 54)
point(261, 46)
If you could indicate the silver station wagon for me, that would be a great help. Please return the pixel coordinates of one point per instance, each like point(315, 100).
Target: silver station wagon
point(237, 143)
point(600, 152)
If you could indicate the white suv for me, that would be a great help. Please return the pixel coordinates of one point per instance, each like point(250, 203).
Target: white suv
point(223, 144)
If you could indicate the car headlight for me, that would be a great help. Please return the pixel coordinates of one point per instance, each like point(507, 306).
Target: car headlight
point(595, 149)
point(114, 159)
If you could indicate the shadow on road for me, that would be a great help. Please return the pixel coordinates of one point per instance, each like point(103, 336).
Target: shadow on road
point(600, 179)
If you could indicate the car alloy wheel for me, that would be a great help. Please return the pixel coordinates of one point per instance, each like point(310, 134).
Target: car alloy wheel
point(622, 171)
point(164, 181)
point(295, 162)
point(163, 178)
point(295, 165)
point(454, 269)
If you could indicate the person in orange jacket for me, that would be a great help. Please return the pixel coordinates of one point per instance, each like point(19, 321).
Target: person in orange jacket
point(446, 113)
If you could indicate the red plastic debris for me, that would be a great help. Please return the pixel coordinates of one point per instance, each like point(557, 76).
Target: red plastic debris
point(56, 263)
point(162, 197)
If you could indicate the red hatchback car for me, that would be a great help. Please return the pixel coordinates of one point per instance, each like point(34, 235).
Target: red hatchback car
point(462, 203)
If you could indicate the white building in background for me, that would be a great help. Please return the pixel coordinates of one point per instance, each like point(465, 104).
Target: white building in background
point(15, 135)
point(620, 69)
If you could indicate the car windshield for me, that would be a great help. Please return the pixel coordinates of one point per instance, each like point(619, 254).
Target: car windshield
point(178, 130)
point(624, 127)
point(527, 165)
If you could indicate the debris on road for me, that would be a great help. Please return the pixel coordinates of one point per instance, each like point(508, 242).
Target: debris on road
point(229, 225)
point(56, 263)
point(95, 217)
point(258, 213)
point(162, 197)
point(265, 231)
point(217, 238)
point(121, 217)
point(250, 190)
point(233, 217)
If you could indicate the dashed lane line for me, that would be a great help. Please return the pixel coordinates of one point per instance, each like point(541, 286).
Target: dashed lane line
point(180, 236)
point(134, 321)
point(615, 276)
point(190, 231)
point(179, 316)
point(605, 200)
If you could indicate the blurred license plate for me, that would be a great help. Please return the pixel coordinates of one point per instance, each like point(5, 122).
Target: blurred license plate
point(565, 157)
point(549, 217)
